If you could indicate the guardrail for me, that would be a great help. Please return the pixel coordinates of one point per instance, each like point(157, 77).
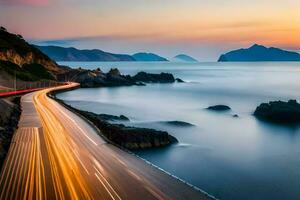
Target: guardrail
point(26, 87)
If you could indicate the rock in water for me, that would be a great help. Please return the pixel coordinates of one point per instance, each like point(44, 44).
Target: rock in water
point(219, 108)
point(179, 80)
point(154, 78)
point(279, 111)
point(179, 123)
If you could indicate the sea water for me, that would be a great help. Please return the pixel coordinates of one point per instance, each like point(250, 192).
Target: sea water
point(228, 157)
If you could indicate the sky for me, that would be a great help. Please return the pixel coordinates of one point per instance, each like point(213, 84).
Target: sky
point(203, 29)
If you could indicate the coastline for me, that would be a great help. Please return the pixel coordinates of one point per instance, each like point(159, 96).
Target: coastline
point(61, 102)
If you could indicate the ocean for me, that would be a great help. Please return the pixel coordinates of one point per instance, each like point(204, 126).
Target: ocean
point(228, 157)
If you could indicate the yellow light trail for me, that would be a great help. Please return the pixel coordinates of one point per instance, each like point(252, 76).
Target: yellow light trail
point(55, 154)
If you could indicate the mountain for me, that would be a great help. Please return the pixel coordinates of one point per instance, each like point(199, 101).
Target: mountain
point(25, 62)
point(184, 58)
point(148, 57)
point(258, 53)
point(72, 54)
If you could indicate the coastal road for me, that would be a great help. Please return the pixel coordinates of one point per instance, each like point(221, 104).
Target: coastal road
point(55, 154)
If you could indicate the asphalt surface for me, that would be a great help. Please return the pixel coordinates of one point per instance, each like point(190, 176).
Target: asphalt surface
point(57, 155)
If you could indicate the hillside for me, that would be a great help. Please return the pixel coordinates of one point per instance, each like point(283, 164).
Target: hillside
point(258, 53)
point(15, 49)
point(148, 57)
point(72, 54)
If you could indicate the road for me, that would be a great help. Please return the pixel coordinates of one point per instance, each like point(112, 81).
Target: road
point(57, 155)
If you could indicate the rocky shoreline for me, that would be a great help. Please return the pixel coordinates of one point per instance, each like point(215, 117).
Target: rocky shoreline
point(97, 78)
point(127, 137)
point(9, 118)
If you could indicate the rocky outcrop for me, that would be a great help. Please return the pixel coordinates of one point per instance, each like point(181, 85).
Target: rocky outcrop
point(107, 117)
point(96, 78)
point(154, 78)
point(219, 108)
point(279, 111)
point(179, 80)
point(125, 136)
point(9, 118)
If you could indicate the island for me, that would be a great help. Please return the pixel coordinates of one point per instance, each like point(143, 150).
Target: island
point(259, 53)
point(148, 57)
point(184, 58)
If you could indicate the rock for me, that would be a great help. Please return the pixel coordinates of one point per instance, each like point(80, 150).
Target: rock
point(279, 111)
point(114, 72)
point(128, 137)
point(113, 117)
point(154, 78)
point(235, 116)
point(9, 118)
point(179, 123)
point(96, 78)
point(98, 70)
point(219, 108)
point(179, 80)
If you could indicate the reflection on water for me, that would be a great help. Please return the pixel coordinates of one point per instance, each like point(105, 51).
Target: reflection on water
point(231, 158)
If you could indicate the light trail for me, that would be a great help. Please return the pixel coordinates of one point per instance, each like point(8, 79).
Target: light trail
point(55, 154)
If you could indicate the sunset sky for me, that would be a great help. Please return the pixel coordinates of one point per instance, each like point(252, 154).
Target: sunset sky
point(201, 28)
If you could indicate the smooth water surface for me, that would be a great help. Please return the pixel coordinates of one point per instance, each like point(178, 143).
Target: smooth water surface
point(231, 158)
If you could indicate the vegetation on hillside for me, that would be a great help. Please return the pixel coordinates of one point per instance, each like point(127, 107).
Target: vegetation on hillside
point(28, 72)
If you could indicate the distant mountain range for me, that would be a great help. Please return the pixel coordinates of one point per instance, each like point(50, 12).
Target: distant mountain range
point(72, 54)
point(184, 58)
point(258, 53)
